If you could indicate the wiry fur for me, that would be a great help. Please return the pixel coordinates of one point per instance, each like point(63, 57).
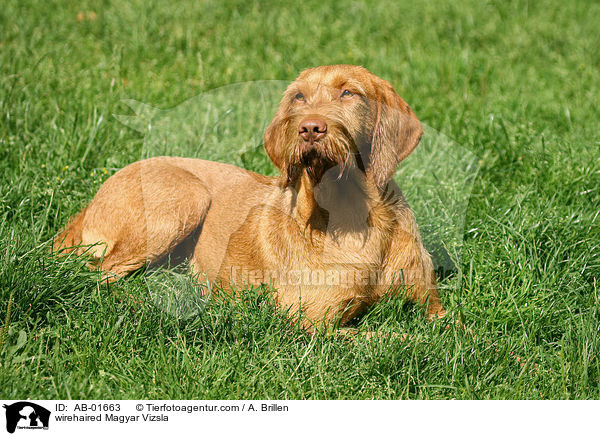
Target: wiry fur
point(335, 207)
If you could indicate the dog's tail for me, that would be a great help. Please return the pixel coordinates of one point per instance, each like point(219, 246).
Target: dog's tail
point(68, 240)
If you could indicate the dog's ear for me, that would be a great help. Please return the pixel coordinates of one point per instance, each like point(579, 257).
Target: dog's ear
point(396, 133)
point(274, 137)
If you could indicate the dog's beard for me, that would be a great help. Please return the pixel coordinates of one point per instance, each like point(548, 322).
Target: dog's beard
point(334, 152)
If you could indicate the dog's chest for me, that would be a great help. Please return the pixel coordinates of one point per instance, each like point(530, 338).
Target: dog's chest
point(357, 249)
point(350, 261)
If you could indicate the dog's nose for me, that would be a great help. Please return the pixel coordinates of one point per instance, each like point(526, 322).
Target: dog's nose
point(312, 129)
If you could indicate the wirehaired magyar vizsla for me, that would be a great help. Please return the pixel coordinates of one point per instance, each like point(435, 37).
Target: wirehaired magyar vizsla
point(333, 232)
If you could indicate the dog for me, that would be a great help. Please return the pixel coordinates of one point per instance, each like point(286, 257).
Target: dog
point(332, 233)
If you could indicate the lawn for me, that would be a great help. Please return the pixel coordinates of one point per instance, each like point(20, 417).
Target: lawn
point(514, 84)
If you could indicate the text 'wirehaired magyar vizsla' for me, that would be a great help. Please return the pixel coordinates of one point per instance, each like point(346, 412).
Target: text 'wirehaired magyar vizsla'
point(333, 232)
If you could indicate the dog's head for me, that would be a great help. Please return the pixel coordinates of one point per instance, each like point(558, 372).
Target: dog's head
point(337, 116)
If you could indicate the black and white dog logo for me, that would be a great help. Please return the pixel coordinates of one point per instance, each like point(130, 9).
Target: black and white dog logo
point(26, 415)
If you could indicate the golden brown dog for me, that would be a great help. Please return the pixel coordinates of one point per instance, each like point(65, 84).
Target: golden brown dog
point(333, 232)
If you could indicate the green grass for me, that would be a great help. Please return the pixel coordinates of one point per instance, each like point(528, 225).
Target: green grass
point(514, 83)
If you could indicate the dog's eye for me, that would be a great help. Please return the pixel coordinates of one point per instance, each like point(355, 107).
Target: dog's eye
point(299, 96)
point(346, 93)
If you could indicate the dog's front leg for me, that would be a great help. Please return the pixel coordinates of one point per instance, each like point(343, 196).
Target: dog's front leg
point(408, 266)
